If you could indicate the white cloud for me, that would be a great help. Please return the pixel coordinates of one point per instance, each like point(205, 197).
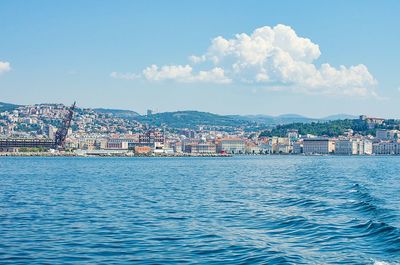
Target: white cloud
point(197, 59)
point(4, 67)
point(125, 76)
point(269, 57)
point(184, 74)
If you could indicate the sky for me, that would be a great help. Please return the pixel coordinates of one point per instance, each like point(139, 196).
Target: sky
point(313, 58)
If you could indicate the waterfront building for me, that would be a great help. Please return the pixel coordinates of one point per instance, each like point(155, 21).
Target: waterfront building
point(386, 148)
point(177, 147)
point(349, 147)
point(252, 148)
point(297, 147)
point(201, 148)
point(231, 145)
point(13, 144)
point(160, 148)
point(284, 148)
point(279, 144)
point(120, 143)
point(318, 146)
point(266, 148)
point(186, 143)
point(367, 147)
point(87, 143)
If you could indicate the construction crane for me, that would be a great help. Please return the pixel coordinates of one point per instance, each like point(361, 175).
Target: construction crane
point(61, 134)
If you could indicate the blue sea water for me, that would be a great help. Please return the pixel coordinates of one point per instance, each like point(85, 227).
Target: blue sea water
point(235, 210)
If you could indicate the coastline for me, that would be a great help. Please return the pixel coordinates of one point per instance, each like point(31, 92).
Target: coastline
point(68, 154)
point(71, 154)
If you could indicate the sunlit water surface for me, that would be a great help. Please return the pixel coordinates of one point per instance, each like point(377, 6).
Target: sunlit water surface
point(239, 210)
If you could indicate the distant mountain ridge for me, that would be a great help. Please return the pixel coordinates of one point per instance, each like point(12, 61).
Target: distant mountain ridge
point(341, 116)
point(192, 118)
point(275, 120)
point(291, 118)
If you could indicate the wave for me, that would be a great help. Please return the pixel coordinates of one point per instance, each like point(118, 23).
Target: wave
point(383, 234)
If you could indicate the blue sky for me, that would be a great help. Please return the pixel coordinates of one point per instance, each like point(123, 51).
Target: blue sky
point(100, 53)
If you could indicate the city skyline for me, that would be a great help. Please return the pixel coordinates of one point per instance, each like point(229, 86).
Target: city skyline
point(254, 58)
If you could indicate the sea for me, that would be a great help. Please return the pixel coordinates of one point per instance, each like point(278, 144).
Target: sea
point(199, 210)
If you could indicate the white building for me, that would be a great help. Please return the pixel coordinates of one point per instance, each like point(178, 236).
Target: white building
point(318, 146)
point(349, 147)
point(231, 146)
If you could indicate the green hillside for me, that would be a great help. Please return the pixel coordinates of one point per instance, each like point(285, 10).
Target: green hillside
point(331, 128)
point(192, 119)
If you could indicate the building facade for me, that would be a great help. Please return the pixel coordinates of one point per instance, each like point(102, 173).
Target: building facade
point(231, 146)
point(386, 148)
point(201, 148)
point(318, 146)
point(349, 147)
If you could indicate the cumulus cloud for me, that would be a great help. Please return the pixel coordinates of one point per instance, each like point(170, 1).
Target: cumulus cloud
point(4, 67)
point(197, 59)
point(274, 57)
point(178, 73)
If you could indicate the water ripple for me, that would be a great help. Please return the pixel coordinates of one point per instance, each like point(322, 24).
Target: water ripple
point(240, 210)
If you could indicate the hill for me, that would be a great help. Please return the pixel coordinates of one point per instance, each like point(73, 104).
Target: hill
point(192, 119)
point(7, 106)
point(326, 128)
